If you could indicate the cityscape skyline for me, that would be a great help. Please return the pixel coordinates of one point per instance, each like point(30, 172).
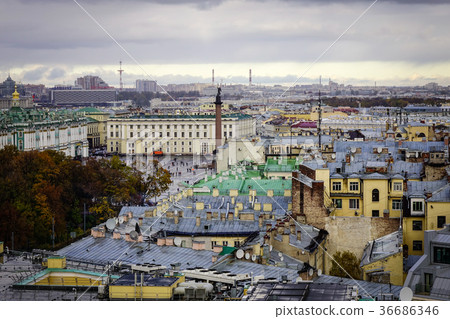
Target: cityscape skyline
point(394, 43)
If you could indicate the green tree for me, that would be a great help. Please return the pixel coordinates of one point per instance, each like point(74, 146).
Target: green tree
point(348, 261)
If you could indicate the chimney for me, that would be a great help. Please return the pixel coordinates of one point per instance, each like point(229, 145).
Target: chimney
point(266, 239)
point(140, 221)
point(197, 221)
point(232, 200)
point(260, 221)
point(130, 215)
point(292, 229)
point(280, 228)
point(116, 235)
point(222, 216)
point(127, 237)
point(214, 258)
point(268, 227)
point(208, 215)
point(230, 216)
point(125, 218)
point(176, 219)
point(299, 235)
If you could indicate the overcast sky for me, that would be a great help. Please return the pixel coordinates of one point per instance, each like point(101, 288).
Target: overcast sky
point(401, 42)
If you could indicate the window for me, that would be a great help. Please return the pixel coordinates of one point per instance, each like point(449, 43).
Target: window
point(440, 221)
point(138, 127)
point(204, 134)
point(396, 204)
point(375, 195)
point(204, 126)
point(168, 127)
point(375, 213)
point(198, 134)
point(213, 243)
point(131, 127)
point(174, 126)
point(230, 133)
point(190, 134)
point(190, 126)
point(224, 243)
point(441, 255)
point(112, 134)
point(131, 134)
point(337, 203)
point(336, 186)
point(237, 243)
point(398, 186)
point(182, 126)
point(417, 225)
point(417, 245)
point(182, 134)
point(168, 134)
point(354, 186)
point(175, 134)
point(354, 203)
point(117, 134)
point(417, 206)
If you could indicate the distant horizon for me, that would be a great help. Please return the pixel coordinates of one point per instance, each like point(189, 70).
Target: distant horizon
point(357, 42)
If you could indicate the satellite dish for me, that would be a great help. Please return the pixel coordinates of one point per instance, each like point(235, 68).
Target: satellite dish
point(310, 272)
point(253, 257)
point(299, 279)
point(406, 294)
point(177, 241)
point(247, 256)
point(120, 219)
point(281, 258)
point(270, 247)
point(240, 254)
point(379, 149)
point(353, 149)
point(111, 223)
point(280, 254)
point(319, 272)
point(333, 156)
point(134, 235)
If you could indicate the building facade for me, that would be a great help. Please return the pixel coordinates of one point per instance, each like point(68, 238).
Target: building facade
point(30, 129)
point(173, 134)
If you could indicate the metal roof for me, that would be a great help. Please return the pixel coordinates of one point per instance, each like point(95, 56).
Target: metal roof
point(364, 287)
point(107, 250)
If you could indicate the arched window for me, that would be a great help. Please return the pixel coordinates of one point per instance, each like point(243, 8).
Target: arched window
point(375, 195)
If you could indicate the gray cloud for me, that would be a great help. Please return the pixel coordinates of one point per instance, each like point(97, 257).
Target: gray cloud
point(35, 74)
point(56, 73)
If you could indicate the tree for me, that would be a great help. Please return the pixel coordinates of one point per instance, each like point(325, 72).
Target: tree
point(349, 262)
point(158, 179)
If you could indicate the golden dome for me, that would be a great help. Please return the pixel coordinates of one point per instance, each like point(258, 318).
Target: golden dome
point(16, 94)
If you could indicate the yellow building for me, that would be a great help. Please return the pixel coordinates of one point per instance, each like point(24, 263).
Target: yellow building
point(373, 195)
point(428, 209)
point(382, 260)
point(144, 287)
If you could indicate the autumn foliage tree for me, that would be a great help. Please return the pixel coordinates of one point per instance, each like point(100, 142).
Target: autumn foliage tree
point(345, 261)
point(45, 191)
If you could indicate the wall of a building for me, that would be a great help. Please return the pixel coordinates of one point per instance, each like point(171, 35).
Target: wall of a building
point(392, 264)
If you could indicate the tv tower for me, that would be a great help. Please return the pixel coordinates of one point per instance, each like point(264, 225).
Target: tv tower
point(250, 77)
point(120, 72)
point(212, 76)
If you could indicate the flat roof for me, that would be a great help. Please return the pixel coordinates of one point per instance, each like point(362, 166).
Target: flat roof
point(148, 281)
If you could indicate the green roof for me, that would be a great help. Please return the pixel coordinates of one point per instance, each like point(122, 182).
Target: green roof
point(227, 250)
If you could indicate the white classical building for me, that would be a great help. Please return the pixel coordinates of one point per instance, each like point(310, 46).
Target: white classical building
point(174, 134)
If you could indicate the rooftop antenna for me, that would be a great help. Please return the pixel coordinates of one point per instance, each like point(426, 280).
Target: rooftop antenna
point(120, 72)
